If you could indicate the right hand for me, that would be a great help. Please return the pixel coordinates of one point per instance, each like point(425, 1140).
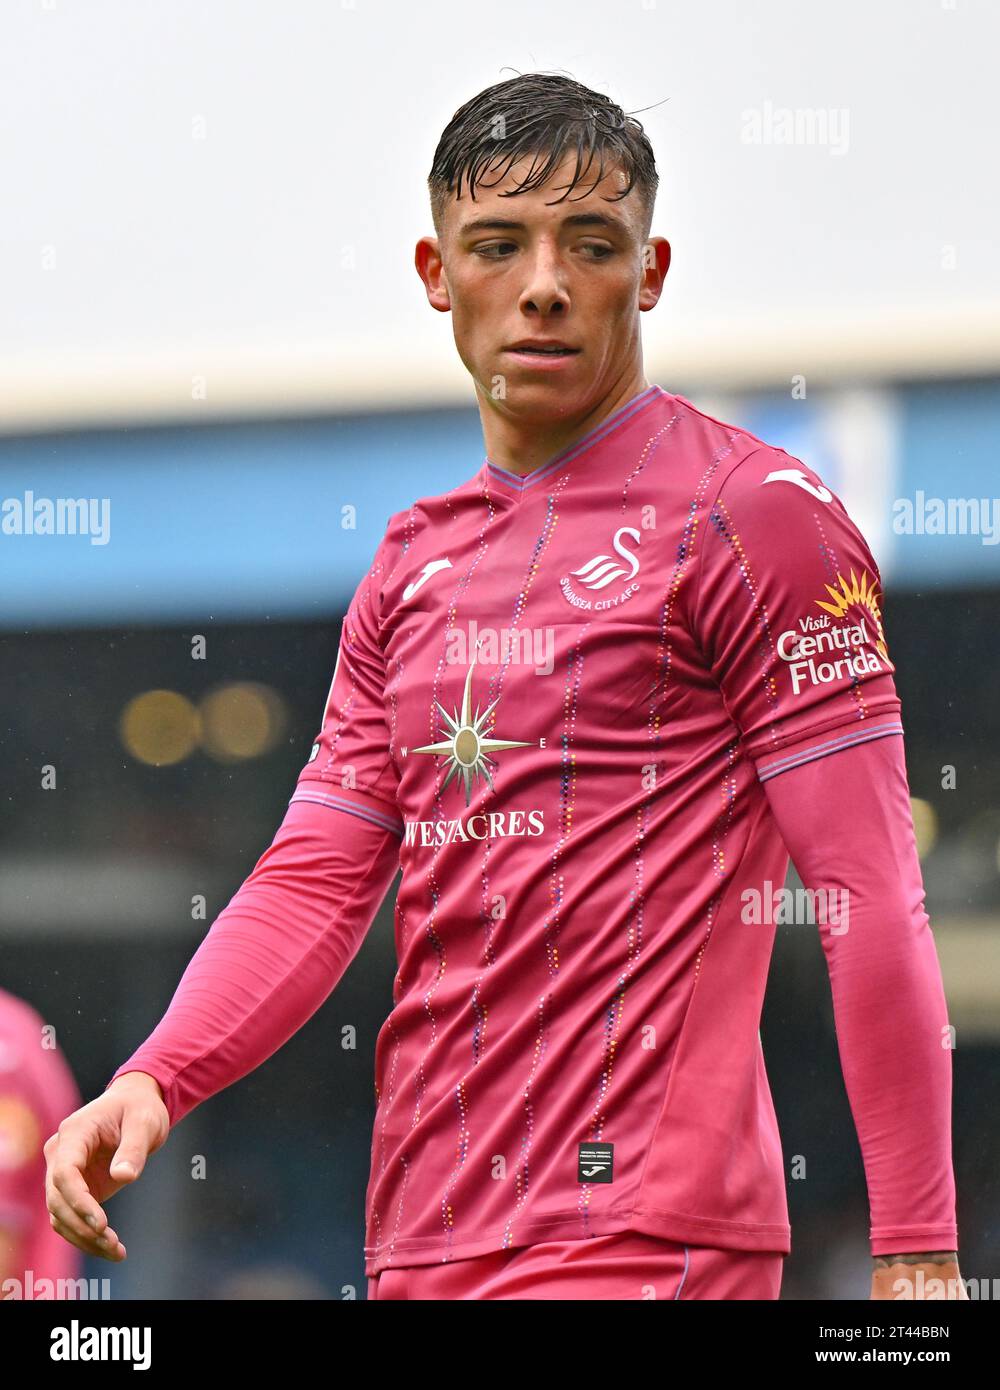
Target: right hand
point(120, 1127)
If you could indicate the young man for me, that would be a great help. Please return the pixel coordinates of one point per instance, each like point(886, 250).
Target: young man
point(589, 700)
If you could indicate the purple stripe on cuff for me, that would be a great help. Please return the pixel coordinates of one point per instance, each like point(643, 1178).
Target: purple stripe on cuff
point(341, 803)
point(820, 750)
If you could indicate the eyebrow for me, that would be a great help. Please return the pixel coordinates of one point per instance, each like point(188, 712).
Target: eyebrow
point(576, 219)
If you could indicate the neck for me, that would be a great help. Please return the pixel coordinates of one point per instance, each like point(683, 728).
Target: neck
point(523, 444)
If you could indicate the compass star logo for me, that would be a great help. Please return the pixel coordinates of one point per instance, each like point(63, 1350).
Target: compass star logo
point(466, 748)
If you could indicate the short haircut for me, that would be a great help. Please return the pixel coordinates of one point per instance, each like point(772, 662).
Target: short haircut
point(548, 116)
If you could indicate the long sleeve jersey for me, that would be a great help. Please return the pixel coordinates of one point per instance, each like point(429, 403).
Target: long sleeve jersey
point(589, 713)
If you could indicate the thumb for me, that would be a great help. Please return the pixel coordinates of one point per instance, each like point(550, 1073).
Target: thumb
point(130, 1156)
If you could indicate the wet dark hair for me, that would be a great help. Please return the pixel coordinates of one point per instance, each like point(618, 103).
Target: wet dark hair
point(549, 116)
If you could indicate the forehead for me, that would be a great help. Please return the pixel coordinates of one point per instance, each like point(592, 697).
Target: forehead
point(497, 195)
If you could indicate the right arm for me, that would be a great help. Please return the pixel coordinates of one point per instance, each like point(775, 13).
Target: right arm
point(269, 961)
point(275, 953)
point(272, 956)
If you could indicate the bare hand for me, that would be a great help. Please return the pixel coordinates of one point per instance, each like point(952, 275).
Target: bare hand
point(88, 1159)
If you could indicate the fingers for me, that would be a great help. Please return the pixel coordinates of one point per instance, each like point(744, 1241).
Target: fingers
point(67, 1195)
point(106, 1246)
point(76, 1156)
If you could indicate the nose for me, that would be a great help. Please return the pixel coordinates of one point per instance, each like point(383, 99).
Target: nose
point(545, 290)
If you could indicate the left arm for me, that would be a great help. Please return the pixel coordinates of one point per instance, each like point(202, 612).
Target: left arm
point(846, 821)
point(785, 605)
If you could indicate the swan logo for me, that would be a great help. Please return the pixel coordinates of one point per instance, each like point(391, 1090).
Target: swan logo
point(602, 571)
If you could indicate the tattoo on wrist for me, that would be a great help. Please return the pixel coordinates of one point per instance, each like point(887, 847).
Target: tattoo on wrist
point(930, 1257)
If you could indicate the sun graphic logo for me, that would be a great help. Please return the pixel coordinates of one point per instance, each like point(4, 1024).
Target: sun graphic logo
point(464, 743)
point(862, 593)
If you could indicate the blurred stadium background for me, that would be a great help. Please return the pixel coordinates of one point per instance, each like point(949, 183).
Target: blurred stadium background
point(212, 320)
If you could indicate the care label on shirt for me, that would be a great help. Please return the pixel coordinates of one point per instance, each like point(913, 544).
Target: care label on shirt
point(595, 1162)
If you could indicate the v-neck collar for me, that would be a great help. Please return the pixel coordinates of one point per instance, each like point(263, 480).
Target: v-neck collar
point(513, 485)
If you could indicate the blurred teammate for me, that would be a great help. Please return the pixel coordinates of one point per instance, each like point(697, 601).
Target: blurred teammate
point(589, 700)
point(37, 1090)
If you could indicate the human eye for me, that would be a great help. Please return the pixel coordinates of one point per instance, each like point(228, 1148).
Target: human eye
point(488, 249)
point(600, 249)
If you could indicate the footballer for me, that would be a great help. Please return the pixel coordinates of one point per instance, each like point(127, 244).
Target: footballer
point(572, 1101)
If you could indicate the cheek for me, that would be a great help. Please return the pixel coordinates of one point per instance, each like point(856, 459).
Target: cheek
point(475, 308)
point(618, 309)
point(622, 294)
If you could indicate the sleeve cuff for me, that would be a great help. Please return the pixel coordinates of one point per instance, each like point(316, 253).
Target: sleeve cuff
point(913, 1240)
point(820, 745)
point(355, 803)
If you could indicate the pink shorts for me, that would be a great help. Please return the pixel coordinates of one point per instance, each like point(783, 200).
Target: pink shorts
point(627, 1265)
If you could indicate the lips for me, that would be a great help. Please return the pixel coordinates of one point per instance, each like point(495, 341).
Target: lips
point(544, 349)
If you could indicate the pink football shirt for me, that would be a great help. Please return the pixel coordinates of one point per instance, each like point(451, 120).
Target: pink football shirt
point(564, 694)
point(591, 713)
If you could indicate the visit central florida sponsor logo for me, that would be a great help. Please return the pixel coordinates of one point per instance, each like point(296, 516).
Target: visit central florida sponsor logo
point(590, 587)
point(468, 751)
point(820, 651)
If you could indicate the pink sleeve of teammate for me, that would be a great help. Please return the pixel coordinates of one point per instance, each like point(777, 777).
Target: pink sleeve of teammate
point(272, 956)
point(847, 824)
